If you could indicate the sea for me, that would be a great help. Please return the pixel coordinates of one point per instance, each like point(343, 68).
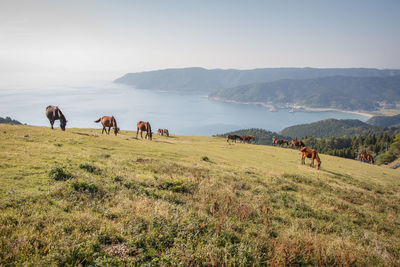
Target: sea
point(180, 113)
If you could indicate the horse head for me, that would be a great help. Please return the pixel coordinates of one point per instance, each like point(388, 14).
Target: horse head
point(116, 130)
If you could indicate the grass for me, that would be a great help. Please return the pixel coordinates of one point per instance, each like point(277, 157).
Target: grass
point(79, 197)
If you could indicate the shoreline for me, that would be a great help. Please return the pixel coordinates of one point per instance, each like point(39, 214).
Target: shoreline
point(273, 108)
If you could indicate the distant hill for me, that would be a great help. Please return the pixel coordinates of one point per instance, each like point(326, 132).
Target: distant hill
point(9, 120)
point(386, 121)
point(262, 137)
point(337, 128)
point(339, 92)
point(205, 80)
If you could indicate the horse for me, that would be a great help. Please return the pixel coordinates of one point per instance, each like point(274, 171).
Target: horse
point(279, 142)
point(296, 143)
point(109, 122)
point(54, 113)
point(166, 132)
point(366, 157)
point(312, 154)
point(248, 139)
point(160, 132)
point(233, 137)
point(144, 126)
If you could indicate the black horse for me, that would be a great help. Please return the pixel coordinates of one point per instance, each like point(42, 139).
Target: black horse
point(54, 113)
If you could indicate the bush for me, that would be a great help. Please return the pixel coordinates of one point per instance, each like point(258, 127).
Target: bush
point(90, 168)
point(84, 187)
point(60, 174)
point(206, 159)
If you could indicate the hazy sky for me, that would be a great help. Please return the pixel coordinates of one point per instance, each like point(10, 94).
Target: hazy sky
point(105, 39)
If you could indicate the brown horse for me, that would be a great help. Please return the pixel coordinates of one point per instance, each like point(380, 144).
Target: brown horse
point(296, 143)
point(166, 132)
point(233, 137)
point(279, 142)
point(109, 122)
point(54, 113)
point(160, 131)
point(312, 154)
point(366, 157)
point(248, 139)
point(144, 126)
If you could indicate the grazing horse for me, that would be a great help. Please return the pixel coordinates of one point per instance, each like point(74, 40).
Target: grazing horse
point(144, 126)
point(54, 113)
point(233, 137)
point(160, 131)
point(312, 154)
point(366, 157)
point(109, 122)
point(166, 132)
point(296, 143)
point(248, 139)
point(279, 142)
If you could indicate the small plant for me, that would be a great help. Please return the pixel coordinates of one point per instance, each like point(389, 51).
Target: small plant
point(84, 187)
point(205, 158)
point(177, 186)
point(90, 168)
point(59, 174)
point(117, 179)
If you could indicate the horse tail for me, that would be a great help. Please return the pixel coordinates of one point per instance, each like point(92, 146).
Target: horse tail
point(114, 121)
point(98, 120)
point(149, 130)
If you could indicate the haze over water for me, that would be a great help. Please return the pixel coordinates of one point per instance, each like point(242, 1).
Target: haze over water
point(186, 114)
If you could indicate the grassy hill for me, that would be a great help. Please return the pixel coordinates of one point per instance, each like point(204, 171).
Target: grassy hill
point(337, 128)
point(79, 197)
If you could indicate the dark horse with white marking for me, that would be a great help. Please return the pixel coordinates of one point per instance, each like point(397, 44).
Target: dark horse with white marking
point(144, 126)
point(109, 122)
point(54, 113)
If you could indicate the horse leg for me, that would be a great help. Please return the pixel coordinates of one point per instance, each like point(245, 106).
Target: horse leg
point(303, 159)
point(137, 132)
point(141, 134)
point(52, 123)
point(102, 132)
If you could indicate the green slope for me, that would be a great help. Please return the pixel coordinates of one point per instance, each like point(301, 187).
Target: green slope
point(79, 197)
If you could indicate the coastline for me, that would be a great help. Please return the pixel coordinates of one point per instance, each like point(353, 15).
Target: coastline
point(298, 108)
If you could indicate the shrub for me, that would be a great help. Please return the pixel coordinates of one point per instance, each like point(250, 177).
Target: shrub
point(84, 187)
point(60, 174)
point(206, 159)
point(90, 168)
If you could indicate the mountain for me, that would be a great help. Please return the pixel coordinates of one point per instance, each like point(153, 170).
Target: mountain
point(339, 92)
point(9, 120)
point(82, 198)
point(208, 80)
point(386, 121)
point(334, 127)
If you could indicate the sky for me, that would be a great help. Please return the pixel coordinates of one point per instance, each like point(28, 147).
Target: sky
point(104, 39)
